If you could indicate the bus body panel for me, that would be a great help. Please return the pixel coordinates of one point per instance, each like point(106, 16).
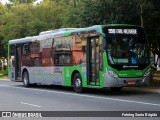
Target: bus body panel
point(54, 75)
point(46, 75)
point(120, 82)
point(69, 73)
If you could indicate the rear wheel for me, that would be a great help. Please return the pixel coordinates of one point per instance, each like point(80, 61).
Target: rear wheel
point(77, 83)
point(25, 78)
point(116, 89)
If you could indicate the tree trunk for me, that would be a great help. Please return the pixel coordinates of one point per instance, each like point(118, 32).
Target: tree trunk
point(141, 15)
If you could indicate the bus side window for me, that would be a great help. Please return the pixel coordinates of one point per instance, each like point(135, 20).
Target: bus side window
point(26, 49)
point(84, 55)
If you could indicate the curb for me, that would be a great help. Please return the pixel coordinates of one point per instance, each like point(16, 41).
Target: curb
point(5, 79)
point(147, 89)
point(155, 84)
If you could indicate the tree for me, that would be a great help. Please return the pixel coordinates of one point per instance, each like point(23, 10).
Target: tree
point(47, 16)
point(153, 27)
point(23, 19)
point(3, 12)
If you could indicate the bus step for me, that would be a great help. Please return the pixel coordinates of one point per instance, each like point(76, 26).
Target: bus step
point(94, 83)
point(91, 86)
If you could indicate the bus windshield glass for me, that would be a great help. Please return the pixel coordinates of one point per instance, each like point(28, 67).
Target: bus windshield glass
point(127, 51)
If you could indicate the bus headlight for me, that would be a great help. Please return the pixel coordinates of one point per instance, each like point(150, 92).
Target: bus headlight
point(147, 72)
point(111, 73)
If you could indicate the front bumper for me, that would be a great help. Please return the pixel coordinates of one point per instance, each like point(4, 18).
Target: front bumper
point(110, 81)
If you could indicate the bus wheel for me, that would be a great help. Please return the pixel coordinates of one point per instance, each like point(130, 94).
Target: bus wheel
point(25, 78)
point(116, 89)
point(77, 83)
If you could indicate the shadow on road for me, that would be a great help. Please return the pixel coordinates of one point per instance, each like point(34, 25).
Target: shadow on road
point(130, 91)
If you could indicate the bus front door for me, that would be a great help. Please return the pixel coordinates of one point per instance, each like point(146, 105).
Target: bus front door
point(93, 61)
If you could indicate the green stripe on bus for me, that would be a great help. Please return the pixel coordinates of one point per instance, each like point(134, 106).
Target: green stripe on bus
point(45, 75)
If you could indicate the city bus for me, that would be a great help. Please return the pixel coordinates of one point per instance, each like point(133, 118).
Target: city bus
point(101, 56)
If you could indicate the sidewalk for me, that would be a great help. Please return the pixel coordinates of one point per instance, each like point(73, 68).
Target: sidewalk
point(5, 79)
point(155, 83)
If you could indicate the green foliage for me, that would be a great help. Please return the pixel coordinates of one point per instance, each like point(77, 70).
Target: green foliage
point(17, 2)
point(4, 74)
point(22, 18)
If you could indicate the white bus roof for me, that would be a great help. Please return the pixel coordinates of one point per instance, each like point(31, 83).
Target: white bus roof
point(56, 30)
point(54, 34)
point(21, 40)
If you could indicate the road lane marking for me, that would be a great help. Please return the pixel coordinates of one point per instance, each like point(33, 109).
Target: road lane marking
point(30, 104)
point(89, 96)
point(3, 85)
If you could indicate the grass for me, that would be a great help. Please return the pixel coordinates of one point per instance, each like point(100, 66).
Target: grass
point(4, 74)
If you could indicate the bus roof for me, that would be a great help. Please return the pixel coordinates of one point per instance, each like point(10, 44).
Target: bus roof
point(55, 34)
point(67, 32)
point(21, 40)
point(56, 30)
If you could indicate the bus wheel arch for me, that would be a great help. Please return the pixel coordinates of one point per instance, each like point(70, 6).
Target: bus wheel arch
point(77, 81)
point(25, 78)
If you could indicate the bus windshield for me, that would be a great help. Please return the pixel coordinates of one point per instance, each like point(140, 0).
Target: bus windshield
point(127, 51)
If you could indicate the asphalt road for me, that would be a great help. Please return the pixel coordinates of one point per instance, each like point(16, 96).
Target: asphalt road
point(15, 97)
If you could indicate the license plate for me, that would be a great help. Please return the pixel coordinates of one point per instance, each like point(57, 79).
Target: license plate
point(131, 82)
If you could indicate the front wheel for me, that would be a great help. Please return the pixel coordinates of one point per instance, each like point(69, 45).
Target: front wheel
point(77, 83)
point(25, 78)
point(116, 89)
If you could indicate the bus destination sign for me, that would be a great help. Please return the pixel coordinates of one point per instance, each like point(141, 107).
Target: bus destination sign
point(122, 31)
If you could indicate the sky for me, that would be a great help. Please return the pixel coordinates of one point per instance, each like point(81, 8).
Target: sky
point(6, 1)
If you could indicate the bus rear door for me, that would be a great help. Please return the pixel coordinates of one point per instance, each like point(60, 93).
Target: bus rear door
point(15, 62)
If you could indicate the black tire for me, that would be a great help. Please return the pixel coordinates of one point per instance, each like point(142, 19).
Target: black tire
point(116, 89)
point(77, 83)
point(25, 78)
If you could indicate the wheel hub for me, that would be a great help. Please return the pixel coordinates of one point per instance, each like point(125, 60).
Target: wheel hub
point(25, 79)
point(78, 83)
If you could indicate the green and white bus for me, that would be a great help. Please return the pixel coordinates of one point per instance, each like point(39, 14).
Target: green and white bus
point(101, 56)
